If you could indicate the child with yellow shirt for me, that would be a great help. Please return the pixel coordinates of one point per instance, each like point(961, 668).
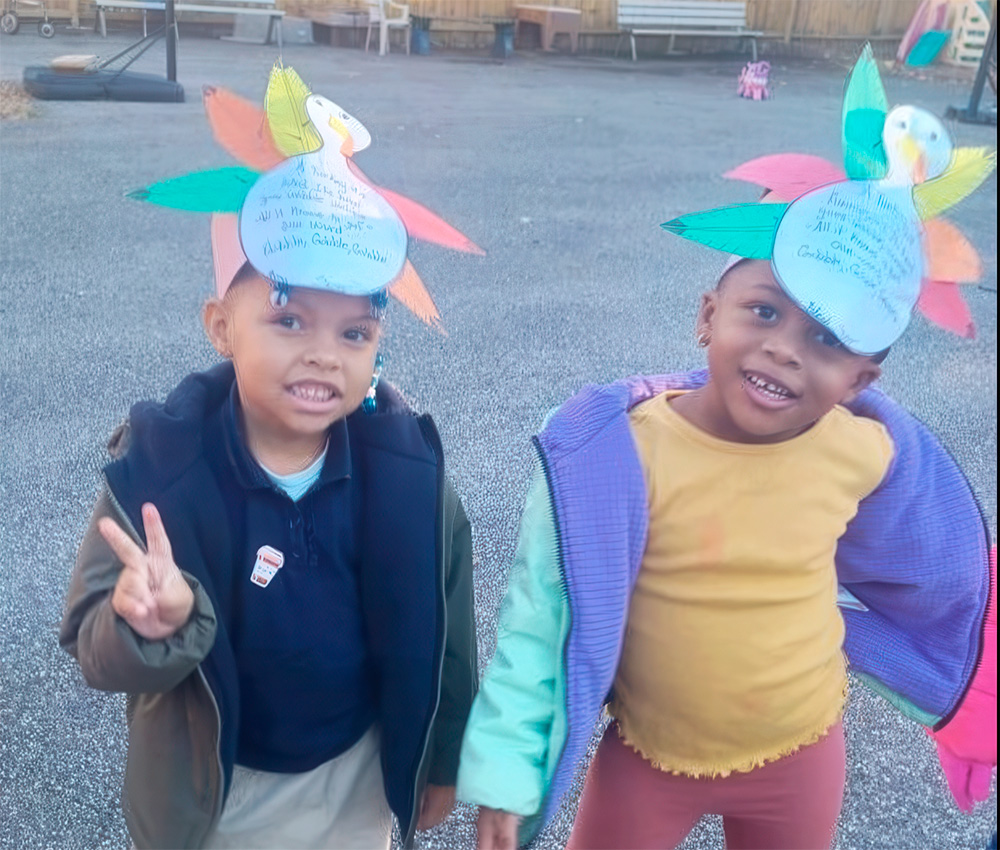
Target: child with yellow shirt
point(686, 539)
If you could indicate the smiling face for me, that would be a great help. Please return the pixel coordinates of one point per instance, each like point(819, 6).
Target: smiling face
point(299, 368)
point(773, 371)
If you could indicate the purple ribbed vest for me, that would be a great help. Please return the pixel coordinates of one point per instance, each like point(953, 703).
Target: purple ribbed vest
point(916, 554)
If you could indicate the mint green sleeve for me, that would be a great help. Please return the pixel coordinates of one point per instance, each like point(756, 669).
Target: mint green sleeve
point(517, 725)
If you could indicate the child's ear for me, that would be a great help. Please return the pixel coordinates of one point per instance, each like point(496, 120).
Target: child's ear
point(706, 313)
point(218, 324)
point(867, 374)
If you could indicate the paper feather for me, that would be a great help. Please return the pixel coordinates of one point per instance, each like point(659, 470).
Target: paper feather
point(942, 303)
point(240, 127)
point(949, 256)
point(969, 168)
point(746, 230)
point(219, 191)
point(420, 222)
point(863, 119)
point(285, 105)
point(788, 175)
point(410, 291)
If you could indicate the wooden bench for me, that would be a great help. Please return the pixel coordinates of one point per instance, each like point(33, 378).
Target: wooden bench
point(724, 18)
point(209, 7)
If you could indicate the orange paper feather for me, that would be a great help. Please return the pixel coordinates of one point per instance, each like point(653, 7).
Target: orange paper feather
point(241, 128)
point(943, 304)
point(949, 255)
point(410, 291)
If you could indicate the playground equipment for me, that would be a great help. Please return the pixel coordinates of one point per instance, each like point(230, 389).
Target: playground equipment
point(11, 18)
point(87, 78)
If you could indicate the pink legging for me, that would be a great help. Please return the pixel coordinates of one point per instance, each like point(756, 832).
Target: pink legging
point(790, 804)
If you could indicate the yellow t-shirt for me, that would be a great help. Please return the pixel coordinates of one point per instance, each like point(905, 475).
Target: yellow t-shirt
point(732, 653)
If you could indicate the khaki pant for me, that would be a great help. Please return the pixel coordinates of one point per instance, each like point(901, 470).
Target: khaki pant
point(339, 805)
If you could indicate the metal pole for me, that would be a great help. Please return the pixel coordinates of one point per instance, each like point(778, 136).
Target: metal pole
point(170, 23)
point(972, 113)
point(984, 62)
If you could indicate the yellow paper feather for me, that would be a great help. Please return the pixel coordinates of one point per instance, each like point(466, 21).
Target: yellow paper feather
point(285, 104)
point(969, 168)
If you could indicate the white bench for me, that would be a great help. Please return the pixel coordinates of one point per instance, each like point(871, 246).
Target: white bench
point(225, 7)
point(725, 18)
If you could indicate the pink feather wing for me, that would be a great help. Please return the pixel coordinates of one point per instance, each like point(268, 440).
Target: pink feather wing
point(419, 221)
point(241, 129)
point(942, 303)
point(788, 175)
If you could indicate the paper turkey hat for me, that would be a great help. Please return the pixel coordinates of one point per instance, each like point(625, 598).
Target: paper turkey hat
point(300, 210)
point(858, 249)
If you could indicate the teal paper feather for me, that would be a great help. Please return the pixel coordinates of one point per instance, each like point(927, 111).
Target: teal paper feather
point(218, 191)
point(746, 230)
point(863, 119)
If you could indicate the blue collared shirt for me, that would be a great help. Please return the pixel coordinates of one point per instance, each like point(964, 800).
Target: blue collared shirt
point(306, 691)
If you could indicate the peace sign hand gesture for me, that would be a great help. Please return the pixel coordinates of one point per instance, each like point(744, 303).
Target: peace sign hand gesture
point(151, 595)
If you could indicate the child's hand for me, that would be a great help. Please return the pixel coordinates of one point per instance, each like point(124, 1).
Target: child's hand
point(436, 805)
point(497, 830)
point(151, 595)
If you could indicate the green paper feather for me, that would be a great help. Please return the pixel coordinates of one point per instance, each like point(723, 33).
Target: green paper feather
point(218, 191)
point(863, 119)
point(746, 230)
point(285, 104)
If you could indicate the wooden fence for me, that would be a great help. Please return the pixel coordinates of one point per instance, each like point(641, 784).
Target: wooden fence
point(794, 18)
point(787, 20)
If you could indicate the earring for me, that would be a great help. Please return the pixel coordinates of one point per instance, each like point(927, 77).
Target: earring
point(369, 404)
point(703, 339)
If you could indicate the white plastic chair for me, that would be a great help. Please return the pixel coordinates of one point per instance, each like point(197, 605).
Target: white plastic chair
point(387, 15)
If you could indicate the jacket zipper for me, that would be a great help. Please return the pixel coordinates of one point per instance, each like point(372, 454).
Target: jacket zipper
point(121, 512)
point(560, 562)
point(220, 792)
point(430, 433)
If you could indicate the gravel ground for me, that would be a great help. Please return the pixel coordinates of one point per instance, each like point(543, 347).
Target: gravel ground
point(561, 168)
point(15, 103)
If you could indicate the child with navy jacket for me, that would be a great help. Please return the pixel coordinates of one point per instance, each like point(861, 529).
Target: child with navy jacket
point(278, 572)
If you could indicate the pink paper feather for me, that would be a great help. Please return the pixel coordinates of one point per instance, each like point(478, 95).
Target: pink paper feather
point(419, 221)
point(788, 175)
point(942, 303)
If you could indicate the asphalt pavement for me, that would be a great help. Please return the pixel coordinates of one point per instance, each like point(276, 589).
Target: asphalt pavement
point(562, 168)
